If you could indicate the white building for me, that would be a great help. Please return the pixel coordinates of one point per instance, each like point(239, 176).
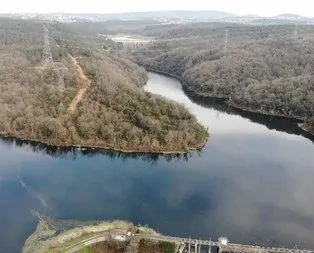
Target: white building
point(223, 241)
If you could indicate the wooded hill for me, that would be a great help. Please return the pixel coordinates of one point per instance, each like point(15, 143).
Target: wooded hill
point(114, 112)
point(267, 69)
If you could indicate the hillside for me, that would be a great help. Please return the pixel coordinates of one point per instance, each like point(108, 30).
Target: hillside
point(113, 111)
point(266, 69)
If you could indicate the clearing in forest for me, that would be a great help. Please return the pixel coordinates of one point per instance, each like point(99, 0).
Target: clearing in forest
point(85, 83)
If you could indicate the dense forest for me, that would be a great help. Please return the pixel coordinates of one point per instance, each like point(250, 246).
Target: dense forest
point(267, 69)
point(114, 112)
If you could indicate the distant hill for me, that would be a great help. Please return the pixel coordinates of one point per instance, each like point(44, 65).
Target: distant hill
point(251, 16)
point(175, 14)
point(170, 17)
point(286, 19)
point(289, 16)
point(275, 20)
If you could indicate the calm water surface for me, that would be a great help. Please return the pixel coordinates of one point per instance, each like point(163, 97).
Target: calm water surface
point(249, 183)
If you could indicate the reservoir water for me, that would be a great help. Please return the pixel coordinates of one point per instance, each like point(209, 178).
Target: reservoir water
point(249, 183)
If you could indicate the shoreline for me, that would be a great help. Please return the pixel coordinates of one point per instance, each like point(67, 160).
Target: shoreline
point(299, 121)
point(304, 128)
point(105, 148)
point(193, 94)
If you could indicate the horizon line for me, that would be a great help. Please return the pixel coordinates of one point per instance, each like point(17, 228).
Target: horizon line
point(151, 11)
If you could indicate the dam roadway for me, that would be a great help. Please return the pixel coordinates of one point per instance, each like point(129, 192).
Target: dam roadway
point(188, 245)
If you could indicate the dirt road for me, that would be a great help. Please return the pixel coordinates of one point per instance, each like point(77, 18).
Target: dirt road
point(85, 83)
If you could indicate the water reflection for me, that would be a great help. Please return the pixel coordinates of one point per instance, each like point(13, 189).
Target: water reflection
point(73, 153)
point(278, 123)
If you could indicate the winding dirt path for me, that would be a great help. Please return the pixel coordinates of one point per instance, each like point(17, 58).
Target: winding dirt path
point(85, 83)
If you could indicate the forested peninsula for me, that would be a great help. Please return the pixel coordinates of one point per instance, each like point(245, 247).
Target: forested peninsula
point(265, 69)
point(86, 96)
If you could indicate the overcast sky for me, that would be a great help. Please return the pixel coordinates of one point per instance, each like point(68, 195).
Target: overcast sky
point(240, 7)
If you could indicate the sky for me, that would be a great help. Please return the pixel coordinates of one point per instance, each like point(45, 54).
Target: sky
point(240, 7)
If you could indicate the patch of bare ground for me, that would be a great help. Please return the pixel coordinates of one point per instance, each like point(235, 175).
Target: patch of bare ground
point(108, 247)
point(148, 246)
point(85, 83)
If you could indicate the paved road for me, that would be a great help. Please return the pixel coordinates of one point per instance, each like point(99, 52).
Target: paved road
point(88, 242)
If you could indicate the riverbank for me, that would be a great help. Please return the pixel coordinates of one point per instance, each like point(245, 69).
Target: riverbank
point(222, 100)
point(105, 148)
point(305, 128)
point(193, 94)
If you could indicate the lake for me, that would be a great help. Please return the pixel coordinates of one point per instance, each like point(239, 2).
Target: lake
point(249, 183)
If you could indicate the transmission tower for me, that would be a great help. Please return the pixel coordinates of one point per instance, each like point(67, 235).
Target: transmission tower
point(47, 56)
point(226, 41)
